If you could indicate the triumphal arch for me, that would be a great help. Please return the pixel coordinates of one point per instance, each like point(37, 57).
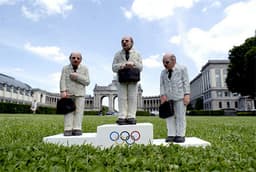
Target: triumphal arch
point(110, 91)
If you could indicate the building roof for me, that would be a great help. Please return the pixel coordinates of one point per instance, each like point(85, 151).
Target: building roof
point(8, 80)
point(198, 76)
point(214, 62)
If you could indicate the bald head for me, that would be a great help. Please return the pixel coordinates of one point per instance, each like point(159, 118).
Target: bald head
point(75, 54)
point(169, 55)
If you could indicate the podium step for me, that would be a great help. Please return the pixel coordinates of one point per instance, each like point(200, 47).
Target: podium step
point(60, 139)
point(112, 134)
point(189, 142)
point(109, 135)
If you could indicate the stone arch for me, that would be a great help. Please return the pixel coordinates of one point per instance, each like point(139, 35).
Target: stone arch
point(101, 92)
point(102, 98)
point(111, 92)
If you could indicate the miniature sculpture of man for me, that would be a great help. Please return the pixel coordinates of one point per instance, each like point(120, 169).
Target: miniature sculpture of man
point(174, 86)
point(74, 79)
point(127, 58)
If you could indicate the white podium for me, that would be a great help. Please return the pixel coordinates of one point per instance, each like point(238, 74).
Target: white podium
point(112, 134)
point(189, 142)
point(60, 139)
point(109, 135)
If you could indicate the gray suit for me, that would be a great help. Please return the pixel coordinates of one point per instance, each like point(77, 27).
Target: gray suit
point(127, 92)
point(175, 89)
point(76, 90)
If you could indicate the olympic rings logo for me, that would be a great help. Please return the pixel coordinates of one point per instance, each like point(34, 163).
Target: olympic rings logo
point(124, 137)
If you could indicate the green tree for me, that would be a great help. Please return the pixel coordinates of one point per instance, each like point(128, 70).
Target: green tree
point(241, 76)
point(104, 110)
point(199, 105)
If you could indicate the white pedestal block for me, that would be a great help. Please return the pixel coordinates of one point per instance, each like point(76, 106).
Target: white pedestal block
point(108, 135)
point(112, 134)
point(189, 141)
point(60, 139)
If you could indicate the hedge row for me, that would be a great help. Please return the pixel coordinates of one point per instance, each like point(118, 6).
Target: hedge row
point(142, 113)
point(205, 113)
point(14, 108)
point(25, 109)
point(246, 113)
point(220, 113)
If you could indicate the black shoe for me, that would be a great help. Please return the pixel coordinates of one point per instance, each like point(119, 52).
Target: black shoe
point(170, 139)
point(76, 132)
point(131, 121)
point(121, 121)
point(179, 139)
point(67, 132)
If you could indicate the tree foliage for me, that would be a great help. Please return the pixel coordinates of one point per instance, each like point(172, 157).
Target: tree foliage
point(199, 104)
point(241, 76)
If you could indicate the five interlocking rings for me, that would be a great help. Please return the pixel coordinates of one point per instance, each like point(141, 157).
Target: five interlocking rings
point(124, 137)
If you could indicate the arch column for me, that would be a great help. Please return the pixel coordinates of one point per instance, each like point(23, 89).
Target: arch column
point(111, 103)
point(97, 101)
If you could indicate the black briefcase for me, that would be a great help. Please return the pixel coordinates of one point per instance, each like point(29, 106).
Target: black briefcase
point(129, 75)
point(65, 106)
point(166, 109)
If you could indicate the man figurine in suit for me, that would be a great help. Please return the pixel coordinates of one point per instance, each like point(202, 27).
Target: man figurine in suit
point(127, 91)
point(174, 85)
point(74, 78)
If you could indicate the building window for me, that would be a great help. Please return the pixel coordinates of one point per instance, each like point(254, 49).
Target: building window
point(15, 90)
point(236, 104)
point(8, 88)
point(220, 105)
point(227, 94)
point(208, 80)
point(27, 93)
point(209, 94)
point(235, 94)
point(219, 94)
point(225, 76)
point(218, 78)
point(1, 86)
point(228, 105)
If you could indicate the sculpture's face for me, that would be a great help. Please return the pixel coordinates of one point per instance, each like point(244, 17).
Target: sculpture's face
point(127, 43)
point(75, 59)
point(169, 61)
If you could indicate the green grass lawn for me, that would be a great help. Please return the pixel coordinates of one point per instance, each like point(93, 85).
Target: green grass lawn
point(233, 146)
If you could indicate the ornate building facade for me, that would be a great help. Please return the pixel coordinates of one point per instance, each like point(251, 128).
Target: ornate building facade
point(14, 91)
point(210, 86)
point(151, 104)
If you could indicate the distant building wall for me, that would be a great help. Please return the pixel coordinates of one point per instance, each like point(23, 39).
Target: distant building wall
point(151, 103)
point(210, 85)
point(14, 91)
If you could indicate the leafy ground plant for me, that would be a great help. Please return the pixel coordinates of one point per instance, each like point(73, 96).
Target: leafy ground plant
point(233, 146)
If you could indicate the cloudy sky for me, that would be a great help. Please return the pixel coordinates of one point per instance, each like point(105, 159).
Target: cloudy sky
point(37, 36)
